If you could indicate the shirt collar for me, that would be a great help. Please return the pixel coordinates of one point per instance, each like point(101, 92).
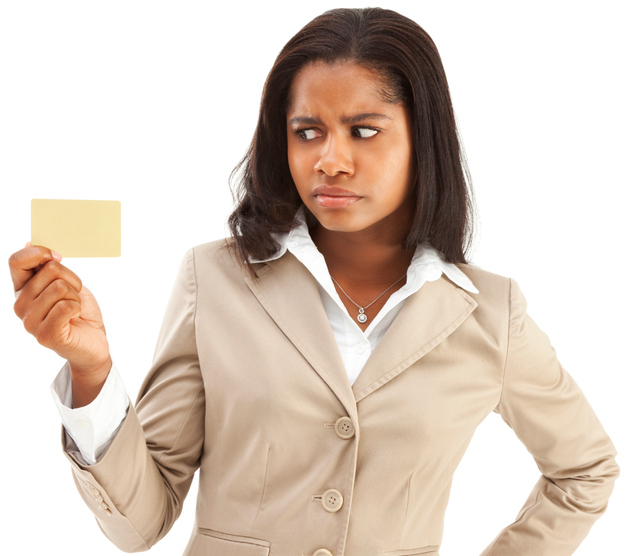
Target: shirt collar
point(426, 264)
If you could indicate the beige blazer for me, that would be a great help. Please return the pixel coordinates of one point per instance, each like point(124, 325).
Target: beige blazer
point(248, 384)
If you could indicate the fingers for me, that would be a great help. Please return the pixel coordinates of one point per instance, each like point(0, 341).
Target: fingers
point(49, 272)
point(25, 263)
point(56, 280)
point(47, 293)
point(53, 308)
point(53, 330)
point(56, 309)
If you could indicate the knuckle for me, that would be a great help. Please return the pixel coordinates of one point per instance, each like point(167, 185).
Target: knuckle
point(63, 305)
point(13, 260)
point(43, 336)
point(56, 271)
point(53, 268)
point(59, 287)
point(21, 306)
point(66, 307)
point(16, 259)
point(50, 329)
point(29, 324)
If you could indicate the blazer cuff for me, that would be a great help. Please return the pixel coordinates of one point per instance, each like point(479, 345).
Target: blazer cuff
point(94, 485)
point(92, 427)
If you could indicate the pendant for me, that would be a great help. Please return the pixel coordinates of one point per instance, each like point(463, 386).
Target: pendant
point(362, 317)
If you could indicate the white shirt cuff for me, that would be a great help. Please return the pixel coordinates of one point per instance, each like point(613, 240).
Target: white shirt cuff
point(93, 426)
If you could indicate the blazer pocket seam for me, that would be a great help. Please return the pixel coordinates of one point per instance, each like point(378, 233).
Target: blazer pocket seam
point(233, 538)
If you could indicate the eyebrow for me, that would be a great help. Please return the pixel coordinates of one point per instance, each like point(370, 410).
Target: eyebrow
point(346, 120)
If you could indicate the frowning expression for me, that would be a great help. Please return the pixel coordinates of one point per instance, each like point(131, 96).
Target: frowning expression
point(349, 150)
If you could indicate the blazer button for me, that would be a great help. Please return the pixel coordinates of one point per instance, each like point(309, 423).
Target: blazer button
point(93, 489)
point(332, 500)
point(344, 428)
point(322, 552)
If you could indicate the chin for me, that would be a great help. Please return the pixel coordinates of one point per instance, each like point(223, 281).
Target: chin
point(341, 221)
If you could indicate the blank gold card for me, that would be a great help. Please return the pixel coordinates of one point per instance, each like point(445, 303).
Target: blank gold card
point(77, 228)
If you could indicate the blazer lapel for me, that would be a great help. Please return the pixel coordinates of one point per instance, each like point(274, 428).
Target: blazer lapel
point(288, 293)
point(426, 319)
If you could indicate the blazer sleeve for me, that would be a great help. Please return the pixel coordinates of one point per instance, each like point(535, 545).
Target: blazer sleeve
point(551, 416)
point(136, 490)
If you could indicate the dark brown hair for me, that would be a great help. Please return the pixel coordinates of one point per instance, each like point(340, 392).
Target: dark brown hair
point(407, 59)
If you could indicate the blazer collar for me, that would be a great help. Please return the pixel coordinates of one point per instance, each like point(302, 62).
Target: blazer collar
point(426, 263)
point(288, 293)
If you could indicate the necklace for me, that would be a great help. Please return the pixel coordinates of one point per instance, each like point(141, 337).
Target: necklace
point(362, 318)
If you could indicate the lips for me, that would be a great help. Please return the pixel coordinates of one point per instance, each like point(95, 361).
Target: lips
point(331, 191)
point(328, 196)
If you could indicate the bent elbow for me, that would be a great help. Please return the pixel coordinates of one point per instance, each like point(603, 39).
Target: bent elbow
point(588, 490)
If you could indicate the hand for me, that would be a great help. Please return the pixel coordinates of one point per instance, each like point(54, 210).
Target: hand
point(63, 316)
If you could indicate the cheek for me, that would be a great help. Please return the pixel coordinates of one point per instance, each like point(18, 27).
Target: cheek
point(297, 163)
point(300, 170)
point(301, 164)
point(394, 174)
point(405, 163)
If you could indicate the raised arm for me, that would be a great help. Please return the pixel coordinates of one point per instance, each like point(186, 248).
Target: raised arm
point(63, 316)
point(136, 489)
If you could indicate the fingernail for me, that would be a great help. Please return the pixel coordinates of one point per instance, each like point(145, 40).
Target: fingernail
point(55, 255)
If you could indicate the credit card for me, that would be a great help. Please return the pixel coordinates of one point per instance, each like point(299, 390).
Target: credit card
point(77, 228)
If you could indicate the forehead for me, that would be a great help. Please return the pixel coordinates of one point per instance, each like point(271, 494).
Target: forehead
point(342, 86)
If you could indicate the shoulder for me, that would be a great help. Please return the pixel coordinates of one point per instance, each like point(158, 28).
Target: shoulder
point(216, 262)
point(211, 250)
point(484, 280)
point(213, 256)
point(217, 252)
point(496, 292)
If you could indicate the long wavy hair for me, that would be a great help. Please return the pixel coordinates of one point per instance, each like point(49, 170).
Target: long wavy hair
point(407, 58)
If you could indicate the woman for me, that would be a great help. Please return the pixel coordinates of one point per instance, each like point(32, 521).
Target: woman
point(327, 368)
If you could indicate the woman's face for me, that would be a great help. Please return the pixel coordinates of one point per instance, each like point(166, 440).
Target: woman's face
point(350, 151)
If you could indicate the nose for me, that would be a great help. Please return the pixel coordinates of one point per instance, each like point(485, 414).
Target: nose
point(335, 157)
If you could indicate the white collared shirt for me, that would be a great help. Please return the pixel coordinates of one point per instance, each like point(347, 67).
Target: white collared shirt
point(93, 427)
point(355, 345)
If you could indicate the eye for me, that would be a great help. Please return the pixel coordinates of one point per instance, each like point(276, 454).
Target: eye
point(365, 132)
point(307, 134)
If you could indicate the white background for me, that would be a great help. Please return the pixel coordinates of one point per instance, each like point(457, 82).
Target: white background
point(153, 103)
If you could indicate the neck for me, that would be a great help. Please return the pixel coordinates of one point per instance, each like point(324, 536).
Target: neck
point(367, 258)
